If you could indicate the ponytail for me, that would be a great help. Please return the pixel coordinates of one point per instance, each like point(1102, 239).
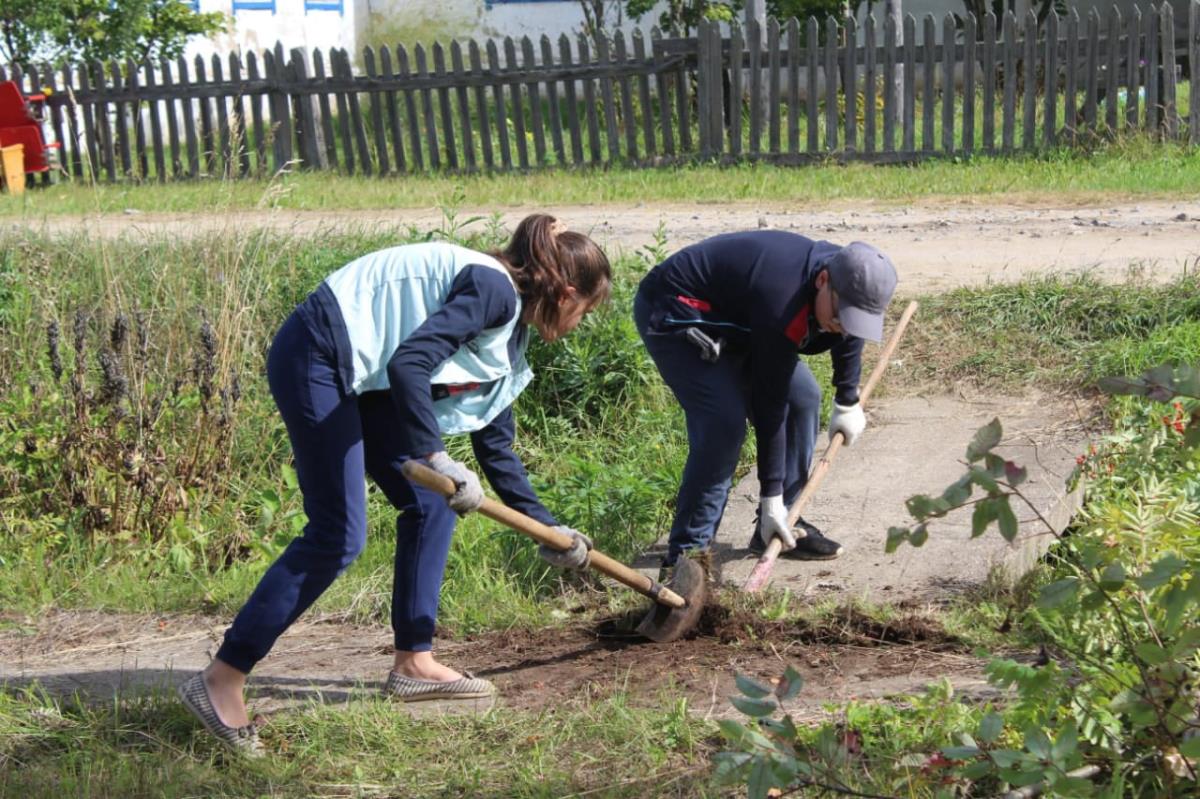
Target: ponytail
point(545, 260)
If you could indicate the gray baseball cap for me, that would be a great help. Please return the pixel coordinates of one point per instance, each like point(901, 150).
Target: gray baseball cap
point(864, 279)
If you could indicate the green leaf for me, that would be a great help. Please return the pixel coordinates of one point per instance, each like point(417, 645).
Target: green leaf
point(1020, 779)
point(755, 708)
point(789, 685)
point(961, 752)
point(958, 492)
point(921, 506)
point(1190, 748)
point(1005, 758)
point(986, 438)
point(289, 477)
point(995, 465)
point(979, 768)
point(983, 479)
point(1161, 572)
point(1006, 519)
point(1067, 743)
point(1113, 577)
point(1058, 592)
point(1037, 742)
point(734, 731)
point(1123, 385)
point(895, 537)
point(1072, 786)
point(1151, 653)
point(750, 687)
point(984, 514)
point(920, 534)
point(1187, 643)
point(990, 727)
point(761, 780)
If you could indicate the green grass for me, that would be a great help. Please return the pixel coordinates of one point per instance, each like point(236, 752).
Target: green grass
point(1129, 168)
point(1062, 333)
point(602, 437)
point(148, 747)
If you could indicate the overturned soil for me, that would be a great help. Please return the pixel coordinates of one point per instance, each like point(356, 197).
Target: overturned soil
point(97, 654)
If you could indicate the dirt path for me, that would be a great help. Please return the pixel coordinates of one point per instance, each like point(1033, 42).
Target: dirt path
point(98, 654)
point(935, 245)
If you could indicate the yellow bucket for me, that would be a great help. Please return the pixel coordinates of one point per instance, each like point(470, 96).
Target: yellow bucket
point(12, 168)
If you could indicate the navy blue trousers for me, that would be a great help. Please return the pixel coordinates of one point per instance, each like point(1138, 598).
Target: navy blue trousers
point(716, 406)
point(337, 439)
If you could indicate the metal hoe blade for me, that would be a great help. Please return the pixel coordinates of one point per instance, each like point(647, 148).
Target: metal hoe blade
point(664, 624)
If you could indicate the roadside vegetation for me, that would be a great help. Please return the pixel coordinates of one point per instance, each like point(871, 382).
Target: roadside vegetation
point(142, 468)
point(1128, 167)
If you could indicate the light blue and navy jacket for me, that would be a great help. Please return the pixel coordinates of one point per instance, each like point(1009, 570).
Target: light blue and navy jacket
point(756, 290)
point(439, 327)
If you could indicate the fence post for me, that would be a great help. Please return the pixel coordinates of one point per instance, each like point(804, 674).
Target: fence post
point(307, 132)
point(1194, 63)
point(702, 91)
point(1169, 112)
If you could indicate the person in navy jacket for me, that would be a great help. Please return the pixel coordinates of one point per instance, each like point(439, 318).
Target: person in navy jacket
point(387, 355)
point(723, 321)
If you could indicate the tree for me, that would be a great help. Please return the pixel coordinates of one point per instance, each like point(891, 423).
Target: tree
point(63, 30)
point(686, 15)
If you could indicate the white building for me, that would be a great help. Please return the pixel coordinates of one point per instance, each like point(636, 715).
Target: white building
point(353, 24)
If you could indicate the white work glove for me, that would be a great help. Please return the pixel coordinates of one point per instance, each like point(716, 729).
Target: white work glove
point(574, 558)
point(469, 495)
point(849, 419)
point(772, 522)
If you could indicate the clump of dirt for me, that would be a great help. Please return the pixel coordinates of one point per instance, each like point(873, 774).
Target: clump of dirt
point(852, 626)
point(732, 624)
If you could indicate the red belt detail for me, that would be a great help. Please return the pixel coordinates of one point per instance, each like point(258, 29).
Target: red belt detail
point(797, 329)
point(692, 302)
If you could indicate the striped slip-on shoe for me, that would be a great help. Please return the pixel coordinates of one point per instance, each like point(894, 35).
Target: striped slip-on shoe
point(243, 740)
point(411, 689)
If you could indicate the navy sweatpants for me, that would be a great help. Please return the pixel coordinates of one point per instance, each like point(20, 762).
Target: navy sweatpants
point(337, 439)
point(716, 406)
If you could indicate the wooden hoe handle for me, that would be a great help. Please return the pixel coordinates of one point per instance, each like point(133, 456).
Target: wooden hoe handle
point(762, 569)
point(422, 475)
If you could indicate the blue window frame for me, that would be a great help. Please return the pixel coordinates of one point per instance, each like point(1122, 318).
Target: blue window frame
point(253, 5)
point(326, 5)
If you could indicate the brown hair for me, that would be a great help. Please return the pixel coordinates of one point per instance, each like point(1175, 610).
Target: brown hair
point(545, 261)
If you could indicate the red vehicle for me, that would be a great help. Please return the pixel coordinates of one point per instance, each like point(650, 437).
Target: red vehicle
point(21, 119)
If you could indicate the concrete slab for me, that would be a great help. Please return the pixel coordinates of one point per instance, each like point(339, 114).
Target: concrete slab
point(915, 445)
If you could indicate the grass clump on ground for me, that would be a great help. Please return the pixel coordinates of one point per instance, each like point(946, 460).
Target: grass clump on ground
point(1056, 332)
point(148, 747)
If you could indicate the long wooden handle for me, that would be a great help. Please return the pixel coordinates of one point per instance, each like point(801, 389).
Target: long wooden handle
point(544, 534)
point(762, 569)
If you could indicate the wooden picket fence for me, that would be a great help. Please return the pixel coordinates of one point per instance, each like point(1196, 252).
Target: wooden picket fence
point(794, 93)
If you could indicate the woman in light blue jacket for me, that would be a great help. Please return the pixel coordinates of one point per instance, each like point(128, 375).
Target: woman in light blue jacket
point(388, 354)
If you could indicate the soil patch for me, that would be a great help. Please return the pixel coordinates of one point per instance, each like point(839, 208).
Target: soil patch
point(97, 655)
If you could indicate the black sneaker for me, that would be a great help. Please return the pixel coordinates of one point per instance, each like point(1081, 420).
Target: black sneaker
point(813, 546)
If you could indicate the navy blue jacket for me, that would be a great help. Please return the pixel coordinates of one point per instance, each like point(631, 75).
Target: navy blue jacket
point(480, 298)
point(756, 290)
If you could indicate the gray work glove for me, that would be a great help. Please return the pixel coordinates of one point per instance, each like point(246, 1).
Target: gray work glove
point(574, 558)
point(469, 495)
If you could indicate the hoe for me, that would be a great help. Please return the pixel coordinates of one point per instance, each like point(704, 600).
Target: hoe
point(677, 606)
